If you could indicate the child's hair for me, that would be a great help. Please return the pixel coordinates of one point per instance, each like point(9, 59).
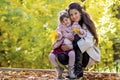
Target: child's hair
point(63, 14)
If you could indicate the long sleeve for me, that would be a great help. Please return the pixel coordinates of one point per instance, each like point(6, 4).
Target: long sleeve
point(66, 31)
point(58, 40)
point(56, 44)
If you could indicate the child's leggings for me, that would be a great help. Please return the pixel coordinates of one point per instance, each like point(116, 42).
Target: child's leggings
point(71, 55)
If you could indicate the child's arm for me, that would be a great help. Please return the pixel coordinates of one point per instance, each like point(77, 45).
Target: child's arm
point(67, 34)
point(82, 32)
point(57, 44)
point(58, 41)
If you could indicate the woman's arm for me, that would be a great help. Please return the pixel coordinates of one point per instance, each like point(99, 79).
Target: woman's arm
point(68, 35)
point(66, 47)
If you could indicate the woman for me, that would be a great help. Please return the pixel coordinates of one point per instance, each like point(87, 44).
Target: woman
point(84, 56)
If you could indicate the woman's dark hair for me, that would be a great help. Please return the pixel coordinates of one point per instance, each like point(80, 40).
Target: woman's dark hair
point(85, 18)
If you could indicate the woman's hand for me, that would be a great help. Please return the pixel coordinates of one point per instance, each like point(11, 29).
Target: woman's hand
point(66, 47)
point(70, 37)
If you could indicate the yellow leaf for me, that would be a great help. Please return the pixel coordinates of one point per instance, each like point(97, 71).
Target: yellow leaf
point(76, 30)
point(53, 36)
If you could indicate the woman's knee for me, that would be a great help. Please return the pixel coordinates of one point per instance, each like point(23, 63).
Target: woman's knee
point(91, 62)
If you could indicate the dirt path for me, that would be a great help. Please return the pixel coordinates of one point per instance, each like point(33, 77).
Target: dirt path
point(40, 74)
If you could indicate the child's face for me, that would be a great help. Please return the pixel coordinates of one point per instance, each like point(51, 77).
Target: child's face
point(66, 21)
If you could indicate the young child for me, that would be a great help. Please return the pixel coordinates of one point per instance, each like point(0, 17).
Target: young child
point(64, 30)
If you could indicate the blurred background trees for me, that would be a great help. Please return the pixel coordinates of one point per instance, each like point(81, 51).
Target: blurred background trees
point(25, 26)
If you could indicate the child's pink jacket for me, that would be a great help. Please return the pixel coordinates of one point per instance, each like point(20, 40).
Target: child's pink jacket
point(65, 32)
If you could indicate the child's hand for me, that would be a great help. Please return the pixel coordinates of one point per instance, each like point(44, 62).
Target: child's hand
point(59, 36)
point(76, 30)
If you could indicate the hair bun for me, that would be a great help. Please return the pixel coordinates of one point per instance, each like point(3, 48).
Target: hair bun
point(63, 12)
point(66, 9)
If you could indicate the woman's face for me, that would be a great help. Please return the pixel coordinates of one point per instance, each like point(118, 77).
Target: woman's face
point(75, 15)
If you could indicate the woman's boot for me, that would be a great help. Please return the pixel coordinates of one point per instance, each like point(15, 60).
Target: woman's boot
point(78, 64)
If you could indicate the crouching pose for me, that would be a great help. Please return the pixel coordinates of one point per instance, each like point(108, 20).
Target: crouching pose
point(64, 30)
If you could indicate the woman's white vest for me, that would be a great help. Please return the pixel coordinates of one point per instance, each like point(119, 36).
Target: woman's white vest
point(87, 44)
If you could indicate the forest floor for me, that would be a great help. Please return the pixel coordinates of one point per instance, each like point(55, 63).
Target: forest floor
point(39, 74)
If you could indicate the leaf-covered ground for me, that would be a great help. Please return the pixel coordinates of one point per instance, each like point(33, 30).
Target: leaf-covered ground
point(50, 75)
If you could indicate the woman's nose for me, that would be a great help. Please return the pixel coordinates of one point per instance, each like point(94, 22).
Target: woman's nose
point(73, 16)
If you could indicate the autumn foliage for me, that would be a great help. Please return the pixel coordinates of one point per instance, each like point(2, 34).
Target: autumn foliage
point(25, 27)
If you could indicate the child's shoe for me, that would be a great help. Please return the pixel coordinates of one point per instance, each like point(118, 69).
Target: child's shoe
point(71, 72)
point(59, 71)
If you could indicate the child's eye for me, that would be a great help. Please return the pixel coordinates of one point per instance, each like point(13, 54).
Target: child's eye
point(75, 13)
point(70, 14)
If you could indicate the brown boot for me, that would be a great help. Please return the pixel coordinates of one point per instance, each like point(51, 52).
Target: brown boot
point(59, 71)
